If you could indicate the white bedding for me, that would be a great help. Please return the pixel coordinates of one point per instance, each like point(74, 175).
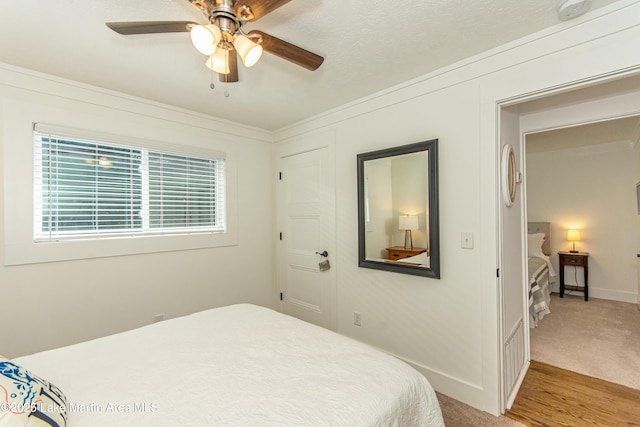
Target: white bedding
point(240, 365)
point(552, 271)
point(421, 259)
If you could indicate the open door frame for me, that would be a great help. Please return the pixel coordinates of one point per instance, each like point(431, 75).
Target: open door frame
point(511, 122)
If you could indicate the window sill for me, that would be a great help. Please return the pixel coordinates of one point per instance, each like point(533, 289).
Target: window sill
point(34, 253)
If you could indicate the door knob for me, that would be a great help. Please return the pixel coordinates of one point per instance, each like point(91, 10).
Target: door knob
point(324, 253)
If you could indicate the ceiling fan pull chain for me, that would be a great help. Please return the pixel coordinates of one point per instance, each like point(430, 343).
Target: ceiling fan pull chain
point(211, 85)
point(226, 76)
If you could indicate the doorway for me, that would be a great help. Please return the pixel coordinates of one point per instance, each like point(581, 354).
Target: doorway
point(594, 102)
point(583, 177)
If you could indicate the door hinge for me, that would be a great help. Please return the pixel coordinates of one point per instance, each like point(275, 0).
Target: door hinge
point(497, 272)
point(280, 176)
point(280, 236)
point(281, 296)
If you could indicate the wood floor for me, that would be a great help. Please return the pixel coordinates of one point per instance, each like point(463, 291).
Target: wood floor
point(551, 396)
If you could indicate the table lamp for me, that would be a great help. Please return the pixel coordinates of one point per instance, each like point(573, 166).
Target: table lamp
point(408, 223)
point(573, 236)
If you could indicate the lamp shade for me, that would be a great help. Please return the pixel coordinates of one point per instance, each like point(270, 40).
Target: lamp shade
point(205, 38)
point(573, 235)
point(218, 61)
point(408, 222)
point(249, 51)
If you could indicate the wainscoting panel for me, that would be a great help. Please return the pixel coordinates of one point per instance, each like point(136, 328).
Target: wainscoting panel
point(514, 359)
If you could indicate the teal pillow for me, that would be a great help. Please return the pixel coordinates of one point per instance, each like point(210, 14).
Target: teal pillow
point(29, 401)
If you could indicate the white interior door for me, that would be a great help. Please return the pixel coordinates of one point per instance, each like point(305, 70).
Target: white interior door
point(512, 270)
point(307, 227)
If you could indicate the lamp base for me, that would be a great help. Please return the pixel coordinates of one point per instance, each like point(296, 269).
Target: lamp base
point(408, 241)
point(573, 250)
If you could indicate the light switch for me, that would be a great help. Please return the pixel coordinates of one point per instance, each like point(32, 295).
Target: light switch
point(466, 240)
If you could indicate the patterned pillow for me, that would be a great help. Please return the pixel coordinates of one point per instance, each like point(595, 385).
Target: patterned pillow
point(29, 401)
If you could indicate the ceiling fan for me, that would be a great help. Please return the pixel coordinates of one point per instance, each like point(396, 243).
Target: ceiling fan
point(223, 38)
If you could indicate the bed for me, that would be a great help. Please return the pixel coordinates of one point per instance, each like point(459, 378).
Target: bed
point(420, 260)
point(240, 365)
point(540, 271)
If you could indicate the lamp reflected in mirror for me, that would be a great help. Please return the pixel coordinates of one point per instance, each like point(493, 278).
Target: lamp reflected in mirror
point(408, 223)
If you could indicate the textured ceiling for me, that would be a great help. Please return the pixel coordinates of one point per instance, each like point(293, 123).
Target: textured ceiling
point(368, 46)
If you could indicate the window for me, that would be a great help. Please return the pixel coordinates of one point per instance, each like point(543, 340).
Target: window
point(86, 189)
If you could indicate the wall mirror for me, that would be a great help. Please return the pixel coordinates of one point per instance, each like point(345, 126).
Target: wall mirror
point(398, 209)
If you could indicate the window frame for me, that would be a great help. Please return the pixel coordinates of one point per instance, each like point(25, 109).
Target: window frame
point(19, 245)
point(147, 157)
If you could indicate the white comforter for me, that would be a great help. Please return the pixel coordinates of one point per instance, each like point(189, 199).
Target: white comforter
point(240, 365)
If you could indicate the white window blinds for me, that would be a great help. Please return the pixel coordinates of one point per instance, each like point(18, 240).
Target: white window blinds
point(85, 188)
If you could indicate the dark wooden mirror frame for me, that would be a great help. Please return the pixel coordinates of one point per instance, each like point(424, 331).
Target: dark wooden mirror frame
point(433, 270)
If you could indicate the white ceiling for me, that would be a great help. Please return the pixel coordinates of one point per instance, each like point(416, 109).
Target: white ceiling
point(368, 45)
point(624, 130)
point(620, 132)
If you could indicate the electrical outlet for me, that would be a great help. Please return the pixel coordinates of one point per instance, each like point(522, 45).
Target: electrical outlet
point(158, 318)
point(357, 318)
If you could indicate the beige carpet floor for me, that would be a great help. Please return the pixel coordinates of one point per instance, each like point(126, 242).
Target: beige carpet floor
point(599, 338)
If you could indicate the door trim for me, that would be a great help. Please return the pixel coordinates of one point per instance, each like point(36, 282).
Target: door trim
point(509, 102)
point(301, 145)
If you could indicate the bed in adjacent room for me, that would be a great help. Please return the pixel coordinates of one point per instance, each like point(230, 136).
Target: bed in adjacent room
point(239, 365)
point(540, 271)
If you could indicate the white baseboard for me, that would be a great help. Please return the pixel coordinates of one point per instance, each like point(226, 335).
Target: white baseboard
point(610, 294)
point(614, 295)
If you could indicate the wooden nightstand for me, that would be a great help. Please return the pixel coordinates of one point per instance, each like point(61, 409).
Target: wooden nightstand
point(399, 252)
point(580, 259)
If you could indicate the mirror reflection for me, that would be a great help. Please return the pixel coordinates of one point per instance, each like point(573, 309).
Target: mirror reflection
point(396, 206)
point(397, 202)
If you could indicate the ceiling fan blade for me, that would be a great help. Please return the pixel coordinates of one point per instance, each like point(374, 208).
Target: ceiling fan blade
point(151, 27)
point(250, 10)
point(290, 52)
point(232, 77)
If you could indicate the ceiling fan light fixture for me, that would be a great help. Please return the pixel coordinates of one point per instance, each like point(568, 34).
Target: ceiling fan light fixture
point(205, 38)
point(249, 51)
point(218, 61)
point(221, 39)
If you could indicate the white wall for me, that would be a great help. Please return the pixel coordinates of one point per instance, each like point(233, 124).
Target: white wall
point(410, 196)
point(449, 328)
point(379, 228)
point(48, 305)
point(591, 189)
